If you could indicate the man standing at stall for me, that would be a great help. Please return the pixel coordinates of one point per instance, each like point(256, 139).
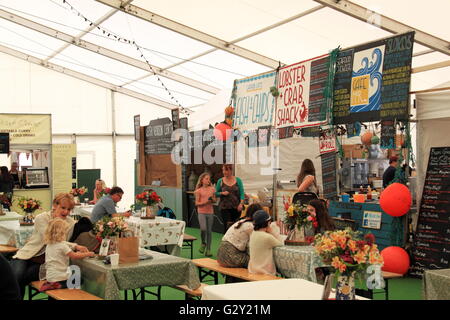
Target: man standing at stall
point(389, 173)
point(106, 206)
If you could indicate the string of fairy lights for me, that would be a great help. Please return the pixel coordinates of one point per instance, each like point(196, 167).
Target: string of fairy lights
point(122, 39)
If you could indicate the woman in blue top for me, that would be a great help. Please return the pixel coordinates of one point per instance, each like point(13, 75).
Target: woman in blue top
point(230, 189)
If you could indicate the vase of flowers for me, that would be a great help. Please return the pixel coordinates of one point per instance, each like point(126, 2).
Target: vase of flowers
point(149, 199)
point(349, 254)
point(112, 229)
point(29, 206)
point(77, 193)
point(297, 220)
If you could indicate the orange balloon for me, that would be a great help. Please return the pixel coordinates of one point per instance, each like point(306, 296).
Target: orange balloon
point(396, 199)
point(396, 260)
point(366, 138)
point(222, 131)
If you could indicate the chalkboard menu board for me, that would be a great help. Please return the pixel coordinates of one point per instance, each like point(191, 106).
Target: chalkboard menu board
point(317, 85)
point(329, 175)
point(158, 136)
point(311, 132)
point(372, 81)
point(431, 248)
point(387, 140)
point(4, 142)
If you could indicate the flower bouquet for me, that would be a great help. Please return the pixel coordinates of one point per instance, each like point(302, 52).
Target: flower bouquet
point(78, 191)
point(29, 206)
point(350, 255)
point(104, 192)
point(110, 228)
point(297, 219)
point(149, 199)
point(4, 202)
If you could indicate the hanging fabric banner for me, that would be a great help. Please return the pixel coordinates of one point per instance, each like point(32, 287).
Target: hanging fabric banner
point(372, 81)
point(253, 102)
point(327, 141)
point(301, 101)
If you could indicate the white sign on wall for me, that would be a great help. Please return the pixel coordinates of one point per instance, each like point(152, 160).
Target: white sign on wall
point(372, 220)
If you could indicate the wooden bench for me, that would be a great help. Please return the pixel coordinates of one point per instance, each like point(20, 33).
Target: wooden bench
point(188, 241)
point(7, 249)
point(189, 293)
point(63, 294)
point(214, 268)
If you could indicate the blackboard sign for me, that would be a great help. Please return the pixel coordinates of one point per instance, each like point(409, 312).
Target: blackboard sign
point(286, 132)
point(387, 140)
point(184, 123)
point(431, 247)
point(329, 175)
point(158, 137)
point(175, 119)
point(313, 132)
point(372, 81)
point(137, 126)
point(4, 142)
point(318, 104)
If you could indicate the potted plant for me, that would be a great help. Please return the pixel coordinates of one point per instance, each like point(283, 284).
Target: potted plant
point(349, 254)
point(149, 199)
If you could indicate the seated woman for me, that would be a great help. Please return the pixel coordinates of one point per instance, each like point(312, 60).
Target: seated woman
point(232, 252)
point(100, 186)
point(324, 221)
point(266, 235)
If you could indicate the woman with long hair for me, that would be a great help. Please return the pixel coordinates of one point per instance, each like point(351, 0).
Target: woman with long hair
point(319, 209)
point(230, 189)
point(100, 186)
point(306, 179)
point(232, 251)
point(204, 198)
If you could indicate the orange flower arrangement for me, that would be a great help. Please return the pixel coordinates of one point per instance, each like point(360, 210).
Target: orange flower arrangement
point(347, 252)
point(148, 198)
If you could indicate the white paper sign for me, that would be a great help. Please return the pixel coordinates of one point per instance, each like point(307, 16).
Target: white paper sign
point(372, 220)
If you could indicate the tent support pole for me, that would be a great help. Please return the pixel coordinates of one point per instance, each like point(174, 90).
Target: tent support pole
point(114, 139)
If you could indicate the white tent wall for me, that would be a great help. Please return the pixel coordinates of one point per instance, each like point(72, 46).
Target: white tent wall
point(81, 109)
point(292, 152)
point(433, 115)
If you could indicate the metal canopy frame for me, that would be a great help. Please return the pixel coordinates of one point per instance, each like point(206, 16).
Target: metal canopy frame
point(356, 11)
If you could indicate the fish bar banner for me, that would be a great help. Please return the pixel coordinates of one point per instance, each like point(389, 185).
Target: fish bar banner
point(372, 81)
point(254, 104)
point(301, 101)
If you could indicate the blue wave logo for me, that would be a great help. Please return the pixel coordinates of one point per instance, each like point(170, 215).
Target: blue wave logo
point(372, 69)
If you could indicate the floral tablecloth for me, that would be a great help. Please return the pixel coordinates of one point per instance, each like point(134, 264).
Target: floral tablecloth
point(106, 281)
point(13, 234)
point(158, 231)
point(436, 284)
point(297, 262)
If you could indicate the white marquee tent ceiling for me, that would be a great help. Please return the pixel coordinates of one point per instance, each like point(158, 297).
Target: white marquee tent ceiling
point(52, 28)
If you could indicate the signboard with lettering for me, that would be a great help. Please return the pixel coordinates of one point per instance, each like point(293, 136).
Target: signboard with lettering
point(327, 141)
point(301, 102)
point(158, 136)
point(254, 103)
point(387, 140)
point(329, 180)
point(431, 247)
point(372, 81)
point(4, 142)
point(27, 128)
point(372, 219)
point(175, 119)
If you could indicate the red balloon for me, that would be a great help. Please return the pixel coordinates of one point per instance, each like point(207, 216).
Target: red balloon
point(222, 131)
point(396, 200)
point(396, 260)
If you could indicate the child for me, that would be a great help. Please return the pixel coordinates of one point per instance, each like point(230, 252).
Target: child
point(57, 255)
point(204, 198)
point(264, 237)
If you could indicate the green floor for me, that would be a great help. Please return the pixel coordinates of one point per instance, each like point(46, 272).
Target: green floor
point(399, 289)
